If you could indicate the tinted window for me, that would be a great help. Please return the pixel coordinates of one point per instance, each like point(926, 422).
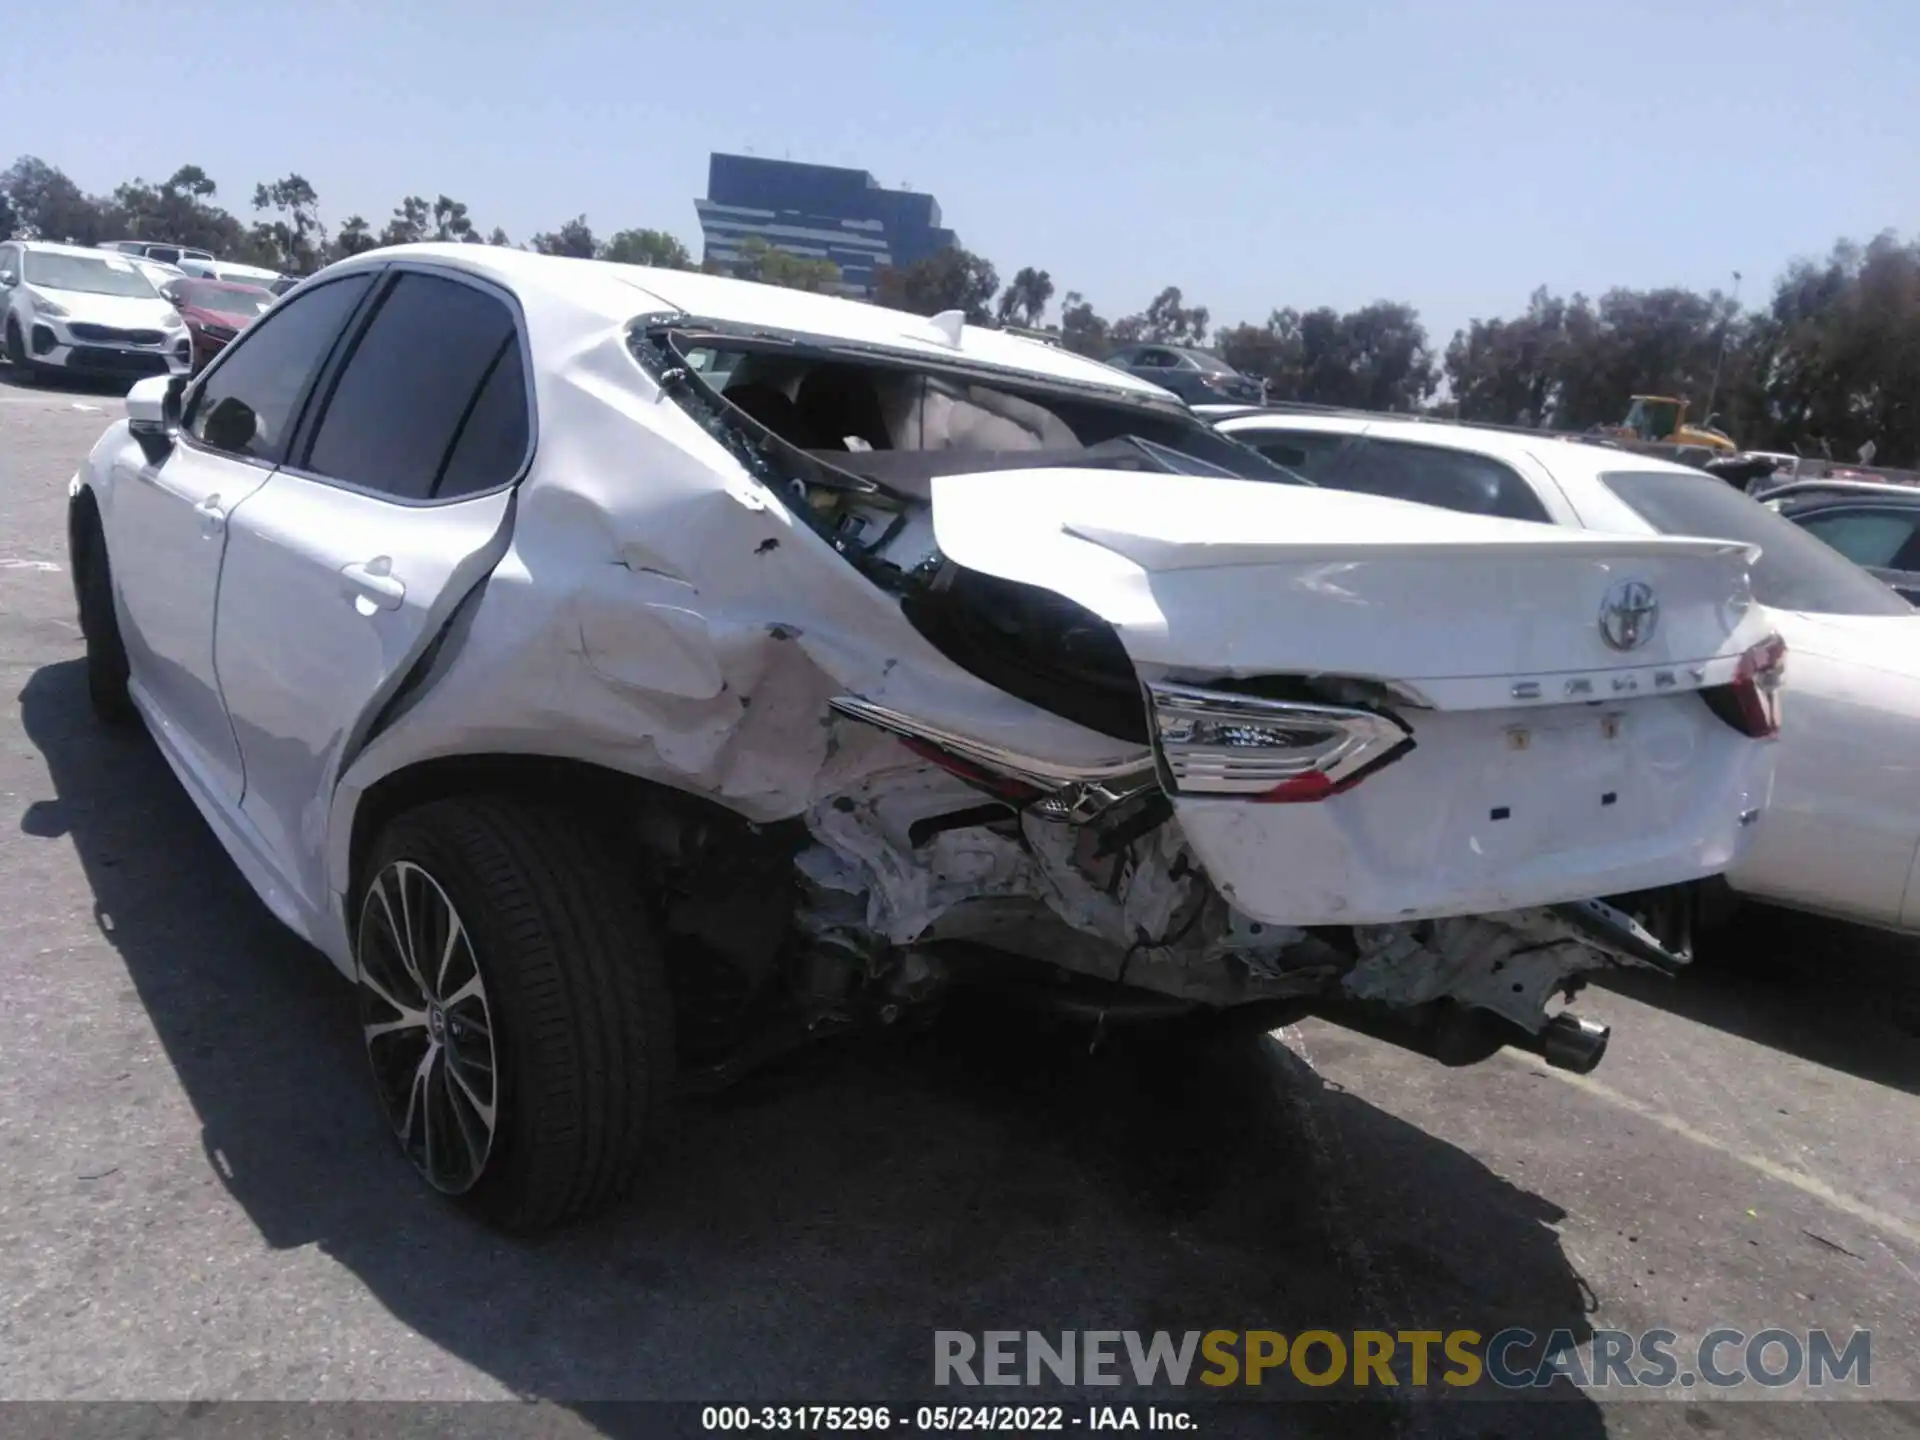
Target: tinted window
point(1431, 475)
point(1151, 360)
point(246, 404)
point(1794, 572)
point(397, 408)
point(1866, 537)
point(492, 442)
point(1310, 453)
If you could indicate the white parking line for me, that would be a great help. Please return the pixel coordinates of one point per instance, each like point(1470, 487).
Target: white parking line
point(1799, 1179)
point(10, 563)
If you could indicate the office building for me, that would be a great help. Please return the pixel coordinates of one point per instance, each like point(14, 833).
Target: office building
point(817, 211)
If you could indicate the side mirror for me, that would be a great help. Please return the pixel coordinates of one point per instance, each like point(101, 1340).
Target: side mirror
point(8, 279)
point(153, 413)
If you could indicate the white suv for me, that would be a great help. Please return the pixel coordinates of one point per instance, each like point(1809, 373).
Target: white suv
point(604, 725)
point(86, 312)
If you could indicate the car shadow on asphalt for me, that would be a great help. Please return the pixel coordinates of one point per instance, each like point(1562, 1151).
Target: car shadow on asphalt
point(808, 1231)
point(48, 383)
point(1841, 996)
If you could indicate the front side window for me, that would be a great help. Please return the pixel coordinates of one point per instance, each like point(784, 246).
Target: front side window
point(1795, 571)
point(1878, 539)
point(247, 403)
point(89, 274)
point(434, 349)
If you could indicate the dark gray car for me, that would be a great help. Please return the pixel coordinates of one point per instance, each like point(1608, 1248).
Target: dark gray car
point(1875, 526)
point(1198, 377)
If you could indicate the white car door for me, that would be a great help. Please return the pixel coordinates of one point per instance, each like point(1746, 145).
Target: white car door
point(166, 523)
point(392, 505)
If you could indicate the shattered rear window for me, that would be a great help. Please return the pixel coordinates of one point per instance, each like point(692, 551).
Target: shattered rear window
point(898, 420)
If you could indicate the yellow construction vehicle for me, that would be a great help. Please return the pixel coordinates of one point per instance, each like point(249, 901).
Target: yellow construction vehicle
point(1662, 420)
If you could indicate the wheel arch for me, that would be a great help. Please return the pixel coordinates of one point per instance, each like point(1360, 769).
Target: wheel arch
point(611, 800)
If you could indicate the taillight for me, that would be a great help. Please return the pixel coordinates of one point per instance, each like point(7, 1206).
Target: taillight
point(1756, 687)
point(1750, 703)
point(1207, 742)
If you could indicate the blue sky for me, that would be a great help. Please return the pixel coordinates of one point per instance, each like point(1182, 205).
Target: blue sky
point(1261, 154)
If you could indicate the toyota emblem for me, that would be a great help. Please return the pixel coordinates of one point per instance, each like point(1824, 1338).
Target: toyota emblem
point(1628, 615)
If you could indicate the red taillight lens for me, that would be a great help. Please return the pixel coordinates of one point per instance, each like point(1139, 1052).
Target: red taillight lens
point(1756, 688)
point(1278, 752)
point(1001, 787)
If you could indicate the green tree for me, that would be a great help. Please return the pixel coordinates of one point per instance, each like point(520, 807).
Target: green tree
point(771, 265)
point(648, 247)
point(1082, 329)
point(949, 279)
point(6, 217)
point(1165, 321)
point(451, 222)
point(1837, 357)
point(353, 238)
point(497, 236)
point(1373, 358)
point(179, 209)
point(47, 205)
point(1024, 301)
point(411, 222)
point(294, 241)
point(574, 238)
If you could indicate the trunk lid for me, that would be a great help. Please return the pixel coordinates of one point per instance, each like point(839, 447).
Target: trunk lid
point(1546, 762)
point(1205, 576)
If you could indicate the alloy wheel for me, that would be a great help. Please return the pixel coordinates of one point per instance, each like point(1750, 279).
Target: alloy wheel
point(428, 1027)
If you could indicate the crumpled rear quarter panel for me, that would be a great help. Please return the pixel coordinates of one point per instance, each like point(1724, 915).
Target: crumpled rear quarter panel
point(660, 612)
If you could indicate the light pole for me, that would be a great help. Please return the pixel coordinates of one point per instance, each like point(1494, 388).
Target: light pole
point(1706, 417)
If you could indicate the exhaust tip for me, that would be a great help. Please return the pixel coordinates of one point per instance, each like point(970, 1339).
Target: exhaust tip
point(1570, 1043)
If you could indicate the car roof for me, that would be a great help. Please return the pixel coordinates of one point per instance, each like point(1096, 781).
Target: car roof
point(1809, 494)
point(91, 252)
point(1572, 464)
point(615, 294)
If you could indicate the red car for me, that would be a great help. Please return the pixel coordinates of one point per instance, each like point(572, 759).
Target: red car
point(215, 312)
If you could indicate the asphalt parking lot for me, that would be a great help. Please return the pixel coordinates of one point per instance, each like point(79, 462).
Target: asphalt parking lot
point(198, 1200)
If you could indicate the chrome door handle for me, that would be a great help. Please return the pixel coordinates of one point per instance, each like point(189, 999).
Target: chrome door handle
point(212, 518)
point(374, 582)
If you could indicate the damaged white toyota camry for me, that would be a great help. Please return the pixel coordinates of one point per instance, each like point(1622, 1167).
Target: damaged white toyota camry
point(625, 674)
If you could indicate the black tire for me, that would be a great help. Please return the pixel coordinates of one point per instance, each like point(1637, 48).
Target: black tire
point(99, 623)
point(575, 993)
point(17, 356)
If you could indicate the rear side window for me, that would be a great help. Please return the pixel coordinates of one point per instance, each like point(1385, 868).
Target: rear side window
point(1882, 539)
point(1434, 475)
point(492, 443)
point(413, 385)
point(1311, 453)
point(245, 406)
point(1795, 571)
